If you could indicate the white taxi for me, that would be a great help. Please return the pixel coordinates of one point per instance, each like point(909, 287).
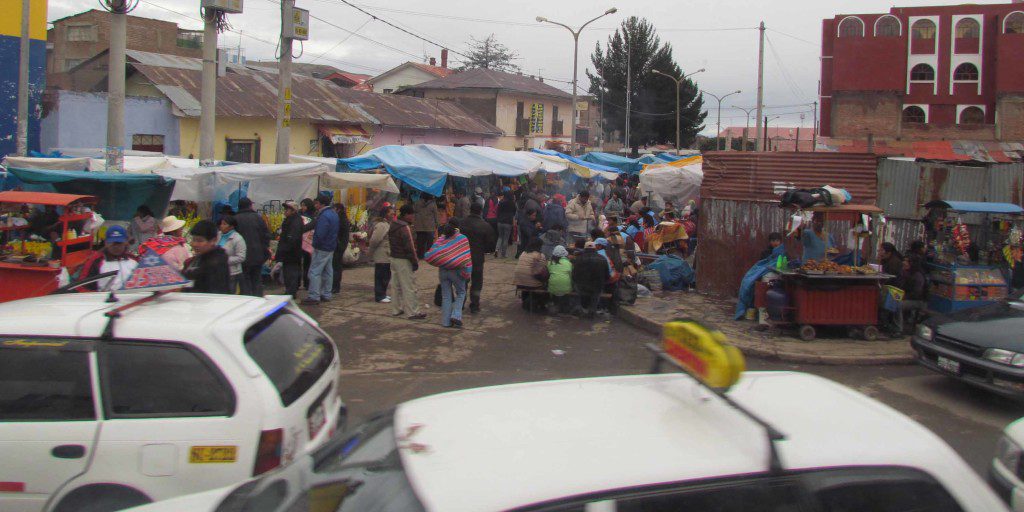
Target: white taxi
point(1007, 471)
point(632, 443)
point(107, 405)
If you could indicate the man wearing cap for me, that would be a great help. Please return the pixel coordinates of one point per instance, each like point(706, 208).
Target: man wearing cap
point(170, 245)
point(113, 257)
point(289, 248)
point(254, 231)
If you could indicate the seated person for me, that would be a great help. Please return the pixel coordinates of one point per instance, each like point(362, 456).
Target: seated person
point(674, 272)
point(774, 240)
point(560, 279)
point(530, 276)
point(589, 275)
point(915, 289)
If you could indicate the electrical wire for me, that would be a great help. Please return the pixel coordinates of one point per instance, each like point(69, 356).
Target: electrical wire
point(340, 42)
point(794, 37)
point(790, 82)
point(392, 25)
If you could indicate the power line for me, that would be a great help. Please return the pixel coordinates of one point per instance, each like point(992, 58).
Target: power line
point(340, 42)
point(790, 82)
point(396, 27)
point(795, 37)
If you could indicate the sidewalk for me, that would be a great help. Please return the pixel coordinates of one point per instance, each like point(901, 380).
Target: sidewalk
point(651, 313)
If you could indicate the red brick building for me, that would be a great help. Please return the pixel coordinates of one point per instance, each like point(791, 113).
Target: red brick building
point(925, 73)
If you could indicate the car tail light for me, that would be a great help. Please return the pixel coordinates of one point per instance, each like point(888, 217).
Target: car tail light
point(268, 453)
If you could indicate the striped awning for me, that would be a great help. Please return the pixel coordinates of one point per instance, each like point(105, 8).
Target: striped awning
point(344, 134)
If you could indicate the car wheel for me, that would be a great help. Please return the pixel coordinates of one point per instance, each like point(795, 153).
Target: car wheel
point(807, 332)
point(101, 498)
point(871, 333)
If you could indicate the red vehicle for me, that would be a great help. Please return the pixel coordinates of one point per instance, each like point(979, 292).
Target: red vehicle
point(24, 275)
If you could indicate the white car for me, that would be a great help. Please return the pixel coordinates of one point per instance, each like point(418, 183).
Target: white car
point(632, 443)
point(174, 395)
point(1007, 472)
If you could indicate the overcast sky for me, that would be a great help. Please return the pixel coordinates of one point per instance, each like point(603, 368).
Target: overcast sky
point(717, 35)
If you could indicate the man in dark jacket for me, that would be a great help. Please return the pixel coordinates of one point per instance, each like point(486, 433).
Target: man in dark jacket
point(481, 243)
point(344, 231)
point(325, 241)
point(289, 248)
point(208, 269)
point(404, 265)
point(257, 247)
point(589, 274)
point(554, 214)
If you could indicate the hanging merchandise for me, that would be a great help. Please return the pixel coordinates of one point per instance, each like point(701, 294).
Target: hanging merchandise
point(961, 238)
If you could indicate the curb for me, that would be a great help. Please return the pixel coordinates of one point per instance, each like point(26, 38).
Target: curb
point(630, 316)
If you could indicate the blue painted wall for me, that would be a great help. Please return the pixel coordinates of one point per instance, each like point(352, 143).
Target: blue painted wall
point(79, 120)
point(10, 56)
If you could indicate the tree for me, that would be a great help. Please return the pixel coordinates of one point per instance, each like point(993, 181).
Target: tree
point(653, 97)
point(489, 54)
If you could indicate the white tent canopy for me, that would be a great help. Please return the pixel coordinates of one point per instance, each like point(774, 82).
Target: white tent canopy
point(669, 183)
point(268, 182)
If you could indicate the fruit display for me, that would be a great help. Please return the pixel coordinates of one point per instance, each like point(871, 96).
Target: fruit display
point(825, 267)
point(38, 250)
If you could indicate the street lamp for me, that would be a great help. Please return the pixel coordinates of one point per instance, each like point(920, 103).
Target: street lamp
point(719, 112)
point(575, 59)
point(679, 82)
point(746, 131)
point(767, 120)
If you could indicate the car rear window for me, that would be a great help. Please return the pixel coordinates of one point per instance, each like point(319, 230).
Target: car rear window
point(292, 353)
point(44, 380)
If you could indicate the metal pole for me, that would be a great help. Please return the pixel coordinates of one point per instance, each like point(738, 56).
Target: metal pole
point(679, 115)
point(575, 61)
point(814, 134)
point(115, 76)
point(719, 139)
point(284, 89)
point(760, 86)
point(23, 78)
point(629, 71)
point(208, 100)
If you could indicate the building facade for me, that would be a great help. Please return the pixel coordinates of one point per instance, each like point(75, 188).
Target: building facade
point(150, 127)
point(408, 74)
point(530, 113)
point(924, 73)
point(77, 38)
point(10, 58)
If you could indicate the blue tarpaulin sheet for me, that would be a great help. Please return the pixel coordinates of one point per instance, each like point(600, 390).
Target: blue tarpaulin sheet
point(976, 207)
point(577, 160)
point(629, 165)
point(120, 194)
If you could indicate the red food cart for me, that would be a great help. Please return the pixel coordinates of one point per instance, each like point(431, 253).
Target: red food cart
point(849, 295)
point(22, 274)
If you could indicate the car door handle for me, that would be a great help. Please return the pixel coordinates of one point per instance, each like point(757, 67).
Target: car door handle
point(68, 451)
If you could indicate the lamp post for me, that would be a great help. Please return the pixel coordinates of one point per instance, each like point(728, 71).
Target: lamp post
point(575, 60)
point(679, 83)
point(746, 131)
point(767, 141)
point(719, 136)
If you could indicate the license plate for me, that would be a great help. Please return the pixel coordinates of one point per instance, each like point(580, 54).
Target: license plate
point(949, 365)
point(316, 420)
point(212, 454)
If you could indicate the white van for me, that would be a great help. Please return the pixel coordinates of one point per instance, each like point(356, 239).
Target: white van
point(109, 405)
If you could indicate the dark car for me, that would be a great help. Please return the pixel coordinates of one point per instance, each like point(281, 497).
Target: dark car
point(983, 346)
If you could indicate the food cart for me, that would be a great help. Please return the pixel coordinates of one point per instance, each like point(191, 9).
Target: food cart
point(31, 268)
point(829, 293)
point(969, 240)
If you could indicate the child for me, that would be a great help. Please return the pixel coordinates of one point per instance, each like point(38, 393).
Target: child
point(208, 269)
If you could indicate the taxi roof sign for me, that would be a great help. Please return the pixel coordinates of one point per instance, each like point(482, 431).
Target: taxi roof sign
point(703, 351)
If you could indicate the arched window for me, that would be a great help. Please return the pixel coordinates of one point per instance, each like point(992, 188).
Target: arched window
point(888, 26)
point(923, 29)
point(968, 28)
point(972, 115)
point(1014, 23)
point(851, 27)
point(966, 73)
point(922, 73)
point(913, 114)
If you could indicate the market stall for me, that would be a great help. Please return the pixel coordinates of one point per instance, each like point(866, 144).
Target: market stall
point(30, 265)
point(842, 291)
point(970, 240)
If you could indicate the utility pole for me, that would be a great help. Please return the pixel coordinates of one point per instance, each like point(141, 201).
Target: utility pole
point(284, 87)
point(575, 61)
point(629, 71)
point(208, 89)
point(746, 130)
point(760, 85)
point(23, 77)
point(814, 136)
point(115, 82)
point(679, 83)
point(798, 133)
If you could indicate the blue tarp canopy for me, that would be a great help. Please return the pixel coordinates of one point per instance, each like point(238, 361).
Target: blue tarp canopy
point(629, 165)
point(120, 194)
point(425, 167)
point(576, 160)
point(977, 207)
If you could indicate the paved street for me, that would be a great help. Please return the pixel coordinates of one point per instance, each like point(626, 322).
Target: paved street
point(388, 360)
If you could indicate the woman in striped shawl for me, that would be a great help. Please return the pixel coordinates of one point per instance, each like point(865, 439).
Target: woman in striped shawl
point(450, 254)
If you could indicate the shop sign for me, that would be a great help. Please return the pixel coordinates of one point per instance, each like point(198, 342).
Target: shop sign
point(703, 352)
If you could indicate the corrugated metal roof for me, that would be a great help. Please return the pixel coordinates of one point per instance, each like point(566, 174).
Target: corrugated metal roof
point(491, 79)
point(164, 60)
point(904, 187)
point(253, 93)
point(764, 176)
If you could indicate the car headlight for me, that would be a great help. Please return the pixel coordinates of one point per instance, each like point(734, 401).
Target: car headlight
point(1008, 453)
point(1005, 357)
point(925, 332)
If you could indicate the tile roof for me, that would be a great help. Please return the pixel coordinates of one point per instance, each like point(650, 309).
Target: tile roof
point(437, 71)
point(491, 79)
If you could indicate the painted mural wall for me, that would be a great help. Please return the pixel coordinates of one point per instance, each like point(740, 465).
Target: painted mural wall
point(10, 57)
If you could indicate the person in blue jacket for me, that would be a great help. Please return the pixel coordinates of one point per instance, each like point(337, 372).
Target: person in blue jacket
point(325, 242)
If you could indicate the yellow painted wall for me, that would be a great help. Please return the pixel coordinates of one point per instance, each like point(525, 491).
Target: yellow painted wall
point(507, 112)
point(10, 19)
point(262, 128)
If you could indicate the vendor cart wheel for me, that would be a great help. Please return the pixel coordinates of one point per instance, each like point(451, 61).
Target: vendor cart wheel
point(807, 332)
point(871, 333)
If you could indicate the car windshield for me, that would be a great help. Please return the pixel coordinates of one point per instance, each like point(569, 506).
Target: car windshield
point(360, 470)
